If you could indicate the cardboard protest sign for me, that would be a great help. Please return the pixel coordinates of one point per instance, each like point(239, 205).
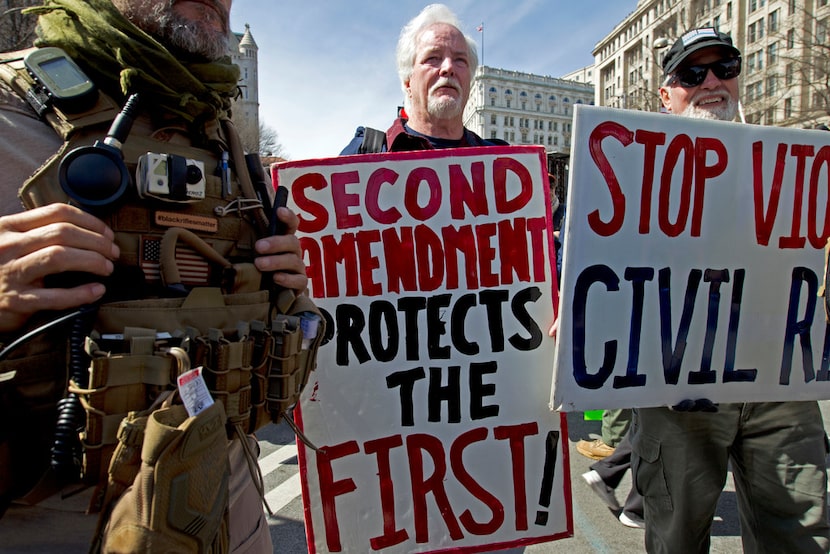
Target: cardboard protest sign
point(693, 260)
point(430, 402)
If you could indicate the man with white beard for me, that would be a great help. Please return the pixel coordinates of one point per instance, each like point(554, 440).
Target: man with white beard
point(777, 450)
point(436, 65)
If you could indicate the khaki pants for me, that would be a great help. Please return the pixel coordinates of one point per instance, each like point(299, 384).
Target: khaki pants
point(615, 423)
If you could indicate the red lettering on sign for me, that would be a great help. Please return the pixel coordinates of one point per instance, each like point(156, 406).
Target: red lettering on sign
point(504, 204)
point(427, 460)
point(680, 144)
point(391, 534)
point(414, 181)
point(651, 141)
point(306, 207)
point(469, 482)
point(380, 177)
point(800, 152)
point(417, 446)
point(515, 435)
point(344, 200)
point(817, 240)
point(625, 137)
point(765, 218)
point(330, 489)
point(462, 194)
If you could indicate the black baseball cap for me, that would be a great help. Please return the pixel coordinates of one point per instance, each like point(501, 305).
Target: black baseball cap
point(693, 41)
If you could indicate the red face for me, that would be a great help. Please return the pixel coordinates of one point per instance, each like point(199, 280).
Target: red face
point(440, 81)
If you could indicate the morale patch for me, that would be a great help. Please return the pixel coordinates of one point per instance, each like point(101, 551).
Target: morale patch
point(187, 221)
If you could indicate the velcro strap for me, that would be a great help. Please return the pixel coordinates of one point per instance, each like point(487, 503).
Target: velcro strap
point(128, 369)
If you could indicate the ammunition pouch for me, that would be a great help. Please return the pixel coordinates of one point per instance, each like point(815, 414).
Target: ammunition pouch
point(178, 499)
point(253, 361)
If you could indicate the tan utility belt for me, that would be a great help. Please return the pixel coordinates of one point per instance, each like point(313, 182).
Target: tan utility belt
point(253, 362)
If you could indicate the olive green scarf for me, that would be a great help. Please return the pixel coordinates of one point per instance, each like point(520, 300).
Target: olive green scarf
point(122, 59)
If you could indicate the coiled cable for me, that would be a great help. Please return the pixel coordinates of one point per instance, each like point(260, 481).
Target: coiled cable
point(66, 453)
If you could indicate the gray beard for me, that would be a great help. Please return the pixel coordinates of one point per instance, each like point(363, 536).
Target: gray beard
point(187, 36)
point(726, 113)
point(444, 108)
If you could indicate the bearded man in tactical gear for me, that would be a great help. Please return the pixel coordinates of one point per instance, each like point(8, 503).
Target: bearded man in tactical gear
point(173, 55)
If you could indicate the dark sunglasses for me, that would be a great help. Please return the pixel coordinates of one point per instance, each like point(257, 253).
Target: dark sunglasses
point(692, 76)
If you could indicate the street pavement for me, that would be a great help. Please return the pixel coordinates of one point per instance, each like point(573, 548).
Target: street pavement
point(596, 528)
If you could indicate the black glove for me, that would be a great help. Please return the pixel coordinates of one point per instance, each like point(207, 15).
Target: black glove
point(699, 405)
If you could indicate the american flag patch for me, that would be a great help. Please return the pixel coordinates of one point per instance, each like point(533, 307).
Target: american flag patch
point(193, 268)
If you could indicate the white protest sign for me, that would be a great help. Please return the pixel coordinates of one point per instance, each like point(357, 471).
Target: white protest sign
point(693, 260)
point(430, 402)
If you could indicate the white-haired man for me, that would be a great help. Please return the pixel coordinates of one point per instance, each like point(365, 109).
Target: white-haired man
point(436, 65)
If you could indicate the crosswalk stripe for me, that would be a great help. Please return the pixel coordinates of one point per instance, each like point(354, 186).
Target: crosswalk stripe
point(278, 497)
point(273, 460)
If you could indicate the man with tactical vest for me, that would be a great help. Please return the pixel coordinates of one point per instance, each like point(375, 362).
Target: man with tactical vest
point(147, 247)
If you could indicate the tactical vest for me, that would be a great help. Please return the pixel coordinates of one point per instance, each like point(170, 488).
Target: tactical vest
point(185, 282)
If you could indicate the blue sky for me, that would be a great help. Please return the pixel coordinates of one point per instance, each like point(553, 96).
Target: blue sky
point(327, 66)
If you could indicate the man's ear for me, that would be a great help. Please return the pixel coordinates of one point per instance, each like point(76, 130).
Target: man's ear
point(665, 97)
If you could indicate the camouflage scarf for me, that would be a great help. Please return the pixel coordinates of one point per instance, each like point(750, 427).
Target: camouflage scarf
point(122, 59)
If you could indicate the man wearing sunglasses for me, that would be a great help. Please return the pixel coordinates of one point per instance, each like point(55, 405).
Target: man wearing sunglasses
point(777, 450)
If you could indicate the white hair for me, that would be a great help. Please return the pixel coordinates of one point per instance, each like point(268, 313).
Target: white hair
point(408, 40)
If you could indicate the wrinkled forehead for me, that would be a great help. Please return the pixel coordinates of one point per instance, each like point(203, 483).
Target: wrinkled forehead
point(439, 35)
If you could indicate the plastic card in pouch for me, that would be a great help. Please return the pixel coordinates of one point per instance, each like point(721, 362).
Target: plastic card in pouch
point(194, 392)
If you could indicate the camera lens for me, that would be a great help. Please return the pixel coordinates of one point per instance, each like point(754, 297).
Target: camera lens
point(194, 174)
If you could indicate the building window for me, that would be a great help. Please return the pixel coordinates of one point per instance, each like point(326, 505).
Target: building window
point(756, 31)
point(790, 38)
point(788, 108)
point(772, 85)
point(772, 22)
point(772, 54)
point(755, 62)
point(788, 74)
point(729, 11)
point(770, 116)
point(754, 91)
point(821, 32)
point(793, 5)
point(492, 119)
